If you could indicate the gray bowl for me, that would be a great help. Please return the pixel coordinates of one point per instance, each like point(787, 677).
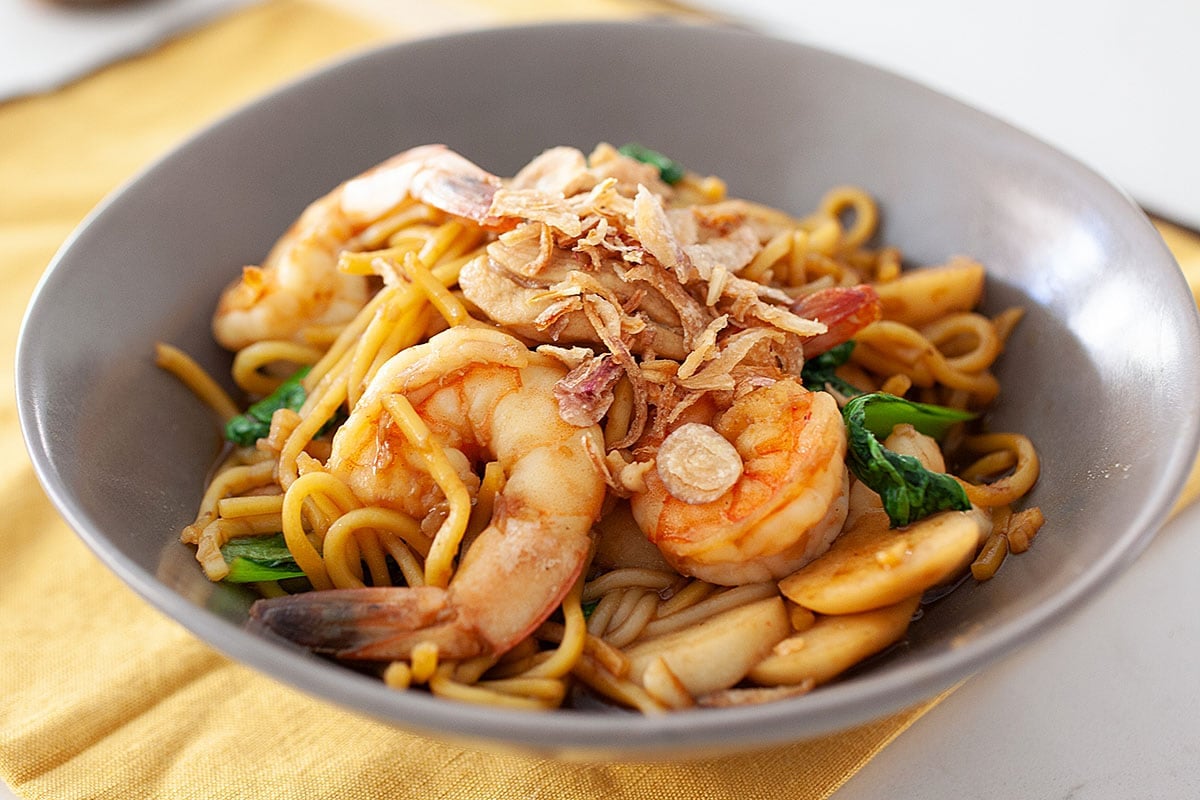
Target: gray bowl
point(1100, 373)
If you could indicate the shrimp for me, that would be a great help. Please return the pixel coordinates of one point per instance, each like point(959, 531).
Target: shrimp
point(754, 495)
point(299, 284)
point(485, 396)
point(845, 310)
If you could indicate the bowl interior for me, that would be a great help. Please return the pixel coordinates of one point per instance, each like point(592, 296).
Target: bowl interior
point(1096, 373)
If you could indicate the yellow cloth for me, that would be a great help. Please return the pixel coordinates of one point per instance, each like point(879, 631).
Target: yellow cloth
point(103, 697)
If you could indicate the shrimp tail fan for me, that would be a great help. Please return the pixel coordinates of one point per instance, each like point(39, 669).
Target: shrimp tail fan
point(372, 623)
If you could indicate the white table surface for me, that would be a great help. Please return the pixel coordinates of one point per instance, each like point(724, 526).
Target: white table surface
point(1113, 82)
point(1105, 707)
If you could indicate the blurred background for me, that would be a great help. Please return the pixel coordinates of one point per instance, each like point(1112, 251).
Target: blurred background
point(1108, 81)
point(1111, 82)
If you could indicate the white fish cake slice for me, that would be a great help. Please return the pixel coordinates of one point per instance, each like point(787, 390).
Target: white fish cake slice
point(922, 295)
point(718, 652)
point(871, 566)
point(833, 645)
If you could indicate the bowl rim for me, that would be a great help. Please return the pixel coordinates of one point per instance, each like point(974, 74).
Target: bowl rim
point(570, 733)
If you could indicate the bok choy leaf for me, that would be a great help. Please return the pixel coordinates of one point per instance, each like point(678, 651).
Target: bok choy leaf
point(670, 170)
point(909, 491)
point(246, 429)
point(259, 558)
point(819, 373)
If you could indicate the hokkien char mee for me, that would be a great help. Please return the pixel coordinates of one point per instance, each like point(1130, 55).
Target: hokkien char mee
point(600, 428)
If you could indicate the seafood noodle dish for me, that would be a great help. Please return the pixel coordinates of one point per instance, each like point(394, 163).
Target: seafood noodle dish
point(598, 434)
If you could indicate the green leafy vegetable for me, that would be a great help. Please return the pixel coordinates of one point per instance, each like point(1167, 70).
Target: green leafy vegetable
point(259, 558)
point(669, 169)
point(819, 373)
point(246, 429)
point(879, 413)
point(909, 491)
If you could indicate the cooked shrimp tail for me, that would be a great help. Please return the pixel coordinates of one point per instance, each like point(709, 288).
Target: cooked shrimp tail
point(845, 310)
point(362, 623)
point(484, 397)
point(514, 582)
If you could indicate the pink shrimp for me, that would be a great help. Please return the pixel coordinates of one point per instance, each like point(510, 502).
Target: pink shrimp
point(845, 310)
point(299, 284)
point(754, 495)
point(485, 396)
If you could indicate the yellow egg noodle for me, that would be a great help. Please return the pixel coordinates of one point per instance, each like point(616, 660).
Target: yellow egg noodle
point(553, 441)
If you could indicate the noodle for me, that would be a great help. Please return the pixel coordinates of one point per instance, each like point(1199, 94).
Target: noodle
point(856, 202)
point(231, 481)
point(312, 485)
point(250, 363)
point(248, 506)
point(1023, 527)
point(627, 578)
point(686, 597)
point(1011, 487)
point(424, 662)
point(618, 689)
point(571, 643)
point(312, 420)
point(713, 605)
point(445, 543)
point(527, 694)
point(990, 557)
point(348, 338)
point(195, 378)
point(407, 561)
point(340, 563)
point(490, 487)
point(635, 612)
point(692, 319)
point(217, 533)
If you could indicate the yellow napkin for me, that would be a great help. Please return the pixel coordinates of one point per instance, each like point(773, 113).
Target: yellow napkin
point(103, 697)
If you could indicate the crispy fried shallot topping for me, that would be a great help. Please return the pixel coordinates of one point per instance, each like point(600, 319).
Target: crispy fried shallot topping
point(586, 393)
point(618, 275)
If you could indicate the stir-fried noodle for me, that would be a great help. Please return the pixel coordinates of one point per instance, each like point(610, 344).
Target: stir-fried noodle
point(588, 430)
